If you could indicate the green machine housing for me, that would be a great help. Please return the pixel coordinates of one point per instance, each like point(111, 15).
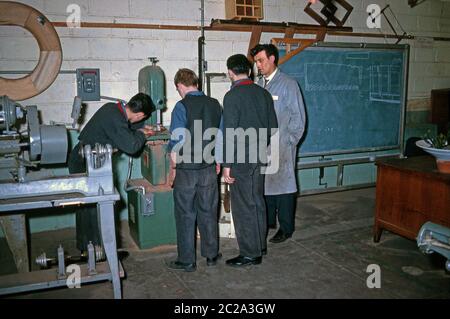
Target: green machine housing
point(151, 218)
point(150, 199)
point(151, 81)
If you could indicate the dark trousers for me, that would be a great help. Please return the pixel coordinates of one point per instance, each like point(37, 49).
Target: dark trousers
point(248, 209)
point(284, 205)
point(86, 219)
point(196, 198)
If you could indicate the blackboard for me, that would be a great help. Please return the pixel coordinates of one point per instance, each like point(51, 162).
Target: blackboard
point(354, 96)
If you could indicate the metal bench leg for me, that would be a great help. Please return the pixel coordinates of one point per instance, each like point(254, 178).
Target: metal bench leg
point(14, 227)
point(108, 233)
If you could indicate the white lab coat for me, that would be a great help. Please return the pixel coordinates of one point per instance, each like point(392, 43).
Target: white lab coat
point(290, 110)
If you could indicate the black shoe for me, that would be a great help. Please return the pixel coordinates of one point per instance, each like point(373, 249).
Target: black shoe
point(279, 237)
point(122, 255)
point(213, 261)
point(176, 265)
point(272, 226)
point(244, 261)
point(264, 252)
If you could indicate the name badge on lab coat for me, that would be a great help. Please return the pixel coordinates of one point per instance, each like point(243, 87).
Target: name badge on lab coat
point(275, 97)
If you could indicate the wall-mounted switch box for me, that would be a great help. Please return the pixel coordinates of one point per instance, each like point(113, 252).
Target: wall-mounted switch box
point(88, 84)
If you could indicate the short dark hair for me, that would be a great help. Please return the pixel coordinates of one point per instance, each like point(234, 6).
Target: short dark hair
point(270, 49)
point(239, 64)
point(141, 102)
point(186, 77)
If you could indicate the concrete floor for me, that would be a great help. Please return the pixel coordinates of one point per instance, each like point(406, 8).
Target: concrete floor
point(327, 257)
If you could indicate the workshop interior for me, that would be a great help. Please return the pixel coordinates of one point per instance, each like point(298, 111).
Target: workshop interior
point(374, 186)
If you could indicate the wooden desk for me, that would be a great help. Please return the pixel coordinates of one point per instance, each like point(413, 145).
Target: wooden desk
point(409, 193)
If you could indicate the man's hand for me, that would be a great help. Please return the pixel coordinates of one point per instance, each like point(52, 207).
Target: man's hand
point(172, 169)
point(172, 175)
point(226, 175)
point(147, 130)
point(217, 169)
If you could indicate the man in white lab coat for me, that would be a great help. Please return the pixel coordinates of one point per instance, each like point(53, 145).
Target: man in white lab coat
point(281, 187)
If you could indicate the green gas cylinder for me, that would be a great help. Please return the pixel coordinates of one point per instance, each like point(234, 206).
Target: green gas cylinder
point(151, 81)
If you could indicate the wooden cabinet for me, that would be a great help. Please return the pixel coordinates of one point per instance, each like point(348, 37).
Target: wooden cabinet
point(409, 193)
point(244, 9)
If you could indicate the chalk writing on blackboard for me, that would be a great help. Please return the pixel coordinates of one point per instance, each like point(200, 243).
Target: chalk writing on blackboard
point(384, 83)
point(326, 79)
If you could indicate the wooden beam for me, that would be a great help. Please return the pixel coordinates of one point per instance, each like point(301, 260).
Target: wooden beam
point(129, 26)
point(304, 43)
point(299, 29)
point(289, 33)
point(320, 35)
point(254, 40)
point(226, 25)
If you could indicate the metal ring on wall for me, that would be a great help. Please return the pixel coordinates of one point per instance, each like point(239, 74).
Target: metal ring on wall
point(50, 58)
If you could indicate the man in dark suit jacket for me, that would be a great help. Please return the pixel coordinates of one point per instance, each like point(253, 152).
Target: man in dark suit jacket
point(249, 119)
point(122, 126)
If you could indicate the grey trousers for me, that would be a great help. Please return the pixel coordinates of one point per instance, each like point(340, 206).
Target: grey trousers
point(196, 198)
point(249, 209)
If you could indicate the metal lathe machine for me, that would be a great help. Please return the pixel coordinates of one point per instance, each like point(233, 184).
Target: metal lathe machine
point(26, 146)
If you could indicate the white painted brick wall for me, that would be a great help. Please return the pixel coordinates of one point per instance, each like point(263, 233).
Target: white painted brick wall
point(8, 65)
point(109, 8)
point(15, 32)
point(25, 48)
point(60, 6)
point(287, 14)
point(441, 82)
point(108, 49)
point(185, 11)
point(428, 24)
point(408, 23)
point(127, 70)
point(179, 49)
point(444, 25)
point(217, 66)
point(37, 4)
point(155, 9)
point(422, 86)
point(84, 32)
point(446, 9)
point(271, 13)
point(447, 68)
point(424, 55)
point(120, 89)
point(142, 49)
point(218, 50)
point(173, 35)
point(224, 36)
point(214, 10)
point(120, 53)
point(240, 47)
point(75, 49)
point(443, 55)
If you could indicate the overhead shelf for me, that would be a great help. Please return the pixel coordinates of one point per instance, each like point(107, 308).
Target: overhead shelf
point(244, 9)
